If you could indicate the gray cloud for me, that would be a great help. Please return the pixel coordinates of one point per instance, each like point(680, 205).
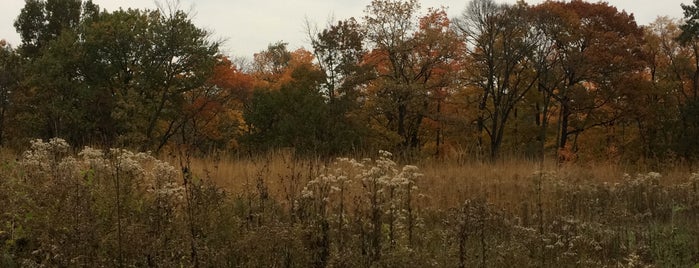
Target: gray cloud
point(248, 26)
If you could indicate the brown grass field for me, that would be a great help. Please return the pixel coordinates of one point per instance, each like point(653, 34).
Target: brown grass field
point(117, 208)
point(446, 183)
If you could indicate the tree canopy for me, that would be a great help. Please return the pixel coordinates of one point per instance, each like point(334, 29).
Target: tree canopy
point(568, 80)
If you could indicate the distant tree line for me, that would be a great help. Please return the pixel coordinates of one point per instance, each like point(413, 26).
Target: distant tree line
point(568, 80)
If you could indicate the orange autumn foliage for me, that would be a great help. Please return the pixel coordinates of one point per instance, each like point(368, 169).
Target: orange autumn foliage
point(274, 68)
point(215, 111)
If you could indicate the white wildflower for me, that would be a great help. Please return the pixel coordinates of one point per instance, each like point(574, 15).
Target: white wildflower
point(305, 193)
point(385, 154)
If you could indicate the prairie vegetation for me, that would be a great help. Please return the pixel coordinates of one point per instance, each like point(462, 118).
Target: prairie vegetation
point(66, 206)
point(556, 134)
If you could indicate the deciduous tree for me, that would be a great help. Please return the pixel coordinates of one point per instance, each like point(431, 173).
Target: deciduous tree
point(119, 78)
point(10, 77)
point(41, 21)
point(501, 47)
point(411, 57)
point(340, 50)
point(213, 115)
point(598, 49)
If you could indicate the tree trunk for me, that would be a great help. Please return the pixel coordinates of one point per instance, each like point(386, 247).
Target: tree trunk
point(564, 116)
point(402, 110)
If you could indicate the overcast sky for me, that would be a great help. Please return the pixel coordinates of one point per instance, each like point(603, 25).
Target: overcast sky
point(248, 26)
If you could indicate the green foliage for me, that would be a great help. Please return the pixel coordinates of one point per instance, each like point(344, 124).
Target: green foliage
point(59, 89)
point(10, 77)
point(42, 21)
point(340, 51)
point(299, 115)
point(109, 78)
point(143, 63)
point(690, 29)
point(289, 117)
point(686, 145)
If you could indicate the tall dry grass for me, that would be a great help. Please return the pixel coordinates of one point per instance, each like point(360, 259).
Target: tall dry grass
point(117, 208)
point(446, 183)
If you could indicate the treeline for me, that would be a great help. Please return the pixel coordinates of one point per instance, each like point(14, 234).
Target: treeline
point(559, 79)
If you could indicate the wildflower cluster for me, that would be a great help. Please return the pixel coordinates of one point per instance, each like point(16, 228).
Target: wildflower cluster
point(115, 207)
point(96, 194)
point(52, 160)
point(379, 192)
point(43, 158)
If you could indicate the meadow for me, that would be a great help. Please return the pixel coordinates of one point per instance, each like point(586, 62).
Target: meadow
point(86, 207)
